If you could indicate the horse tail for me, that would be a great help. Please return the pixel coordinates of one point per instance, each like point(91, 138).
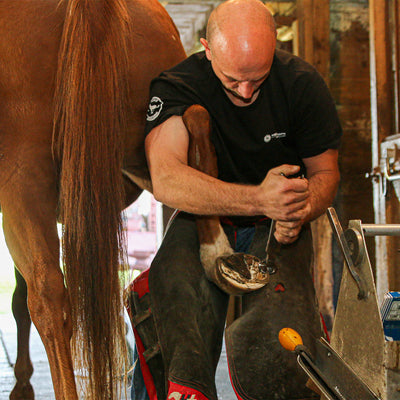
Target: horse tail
point(89, 126)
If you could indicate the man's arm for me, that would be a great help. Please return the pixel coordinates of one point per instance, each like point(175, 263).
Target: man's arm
point(180, 186)
point(323, 179)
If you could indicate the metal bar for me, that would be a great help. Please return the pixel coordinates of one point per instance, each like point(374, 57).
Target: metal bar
point(309, 367)
point(390, 177)
point(381, 229)
point(271, 232)
point(344, 247)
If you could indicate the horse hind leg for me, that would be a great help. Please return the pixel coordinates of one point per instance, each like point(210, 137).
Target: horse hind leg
point(235, 273)
point(30, 229)
point(23, 368)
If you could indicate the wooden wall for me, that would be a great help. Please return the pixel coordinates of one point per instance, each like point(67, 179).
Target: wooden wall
point(385, 54)
point(334, 37)
point(350, 86)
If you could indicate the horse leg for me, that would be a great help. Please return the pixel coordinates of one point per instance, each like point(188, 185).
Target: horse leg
point(29, 221)
point(201, 156)
point(23, 368)
point(235, 273)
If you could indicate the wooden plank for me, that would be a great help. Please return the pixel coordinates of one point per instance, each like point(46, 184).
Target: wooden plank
point(396, 60)
point(305, 35)
point(320, 37)
point(314, 47)
point(381, 51)
point(382, 115)
point(313, 25)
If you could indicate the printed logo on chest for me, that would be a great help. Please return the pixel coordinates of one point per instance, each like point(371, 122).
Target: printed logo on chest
point(277, 135)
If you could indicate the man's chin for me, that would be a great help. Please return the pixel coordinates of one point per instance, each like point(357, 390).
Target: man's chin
point(241, 98)
point(247, 101)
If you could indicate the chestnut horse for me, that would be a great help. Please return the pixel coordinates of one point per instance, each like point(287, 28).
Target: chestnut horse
point(74, 80)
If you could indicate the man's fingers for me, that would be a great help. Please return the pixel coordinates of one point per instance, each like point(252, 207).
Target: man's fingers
point(285, 239)
point(290, 228)
point(295, 184)
point(287, 232)
point(294, 212)
point(286, 170)
point(293, 198)
point(299, 185)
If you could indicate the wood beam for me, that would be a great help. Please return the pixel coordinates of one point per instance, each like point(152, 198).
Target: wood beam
point(383, 112)
point(313, 34)
point(381, 73)
point(395, 29)
point(314, 47)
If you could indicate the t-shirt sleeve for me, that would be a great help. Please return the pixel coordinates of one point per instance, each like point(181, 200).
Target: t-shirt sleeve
point(316, 123)
point(168, 97)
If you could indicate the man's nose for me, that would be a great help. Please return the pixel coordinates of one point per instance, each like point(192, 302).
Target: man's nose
point(246, 89)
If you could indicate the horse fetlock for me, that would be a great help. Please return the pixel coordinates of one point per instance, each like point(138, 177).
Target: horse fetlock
point(22, 391)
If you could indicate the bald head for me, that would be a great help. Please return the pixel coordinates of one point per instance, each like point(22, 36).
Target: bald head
point(240, 44)
point(239, 18)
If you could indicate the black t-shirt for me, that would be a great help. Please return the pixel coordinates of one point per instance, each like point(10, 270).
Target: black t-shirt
point(293, 117)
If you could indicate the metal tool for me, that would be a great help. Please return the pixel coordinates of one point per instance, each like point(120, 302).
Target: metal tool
point(347, 254)
point(271, 232)
point(352, 247)
point(268, 263)
point(330, 373)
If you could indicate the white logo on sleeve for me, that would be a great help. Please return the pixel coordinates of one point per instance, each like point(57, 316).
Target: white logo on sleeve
point(155, 107)
point(268, 137)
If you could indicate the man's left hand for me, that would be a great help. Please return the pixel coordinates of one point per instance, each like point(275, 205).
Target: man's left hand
point(287, 232)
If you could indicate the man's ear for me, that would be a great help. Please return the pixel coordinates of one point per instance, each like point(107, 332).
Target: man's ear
point(206, 47)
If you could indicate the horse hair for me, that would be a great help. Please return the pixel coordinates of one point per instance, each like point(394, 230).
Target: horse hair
point(89, 124)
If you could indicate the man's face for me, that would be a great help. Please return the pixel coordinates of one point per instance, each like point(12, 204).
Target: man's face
point(240, 68)
point(244, 87)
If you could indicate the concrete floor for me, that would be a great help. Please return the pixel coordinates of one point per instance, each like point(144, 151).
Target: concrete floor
point(41, 380)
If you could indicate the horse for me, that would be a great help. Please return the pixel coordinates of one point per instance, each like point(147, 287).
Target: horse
point(74, 83)
point(74, 80)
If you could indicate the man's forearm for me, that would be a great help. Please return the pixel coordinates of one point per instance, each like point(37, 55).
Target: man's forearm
point(192, 191)
point(323, 187)
point(323, 179)
point(187, 189)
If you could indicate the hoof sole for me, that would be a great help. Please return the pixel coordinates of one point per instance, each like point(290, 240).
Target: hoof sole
point(240, 273)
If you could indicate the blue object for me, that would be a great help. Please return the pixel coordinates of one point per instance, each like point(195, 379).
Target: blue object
point(390, 312)
point(244, 237)
point(138, 389)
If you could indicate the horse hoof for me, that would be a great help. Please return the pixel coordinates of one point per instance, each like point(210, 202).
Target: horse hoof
point(22, 392)
point(240, 273)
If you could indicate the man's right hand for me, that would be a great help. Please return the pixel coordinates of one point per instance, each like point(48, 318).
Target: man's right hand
point(286, 198)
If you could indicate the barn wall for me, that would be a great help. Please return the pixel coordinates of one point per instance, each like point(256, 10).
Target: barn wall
point(350, 86)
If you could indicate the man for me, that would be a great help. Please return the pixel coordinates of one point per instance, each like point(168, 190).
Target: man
point(273, 120)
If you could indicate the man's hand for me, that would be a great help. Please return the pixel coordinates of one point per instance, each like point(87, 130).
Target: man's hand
point(286, 198)
point(288, 202)
point(287, 232)
point(322, 181)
